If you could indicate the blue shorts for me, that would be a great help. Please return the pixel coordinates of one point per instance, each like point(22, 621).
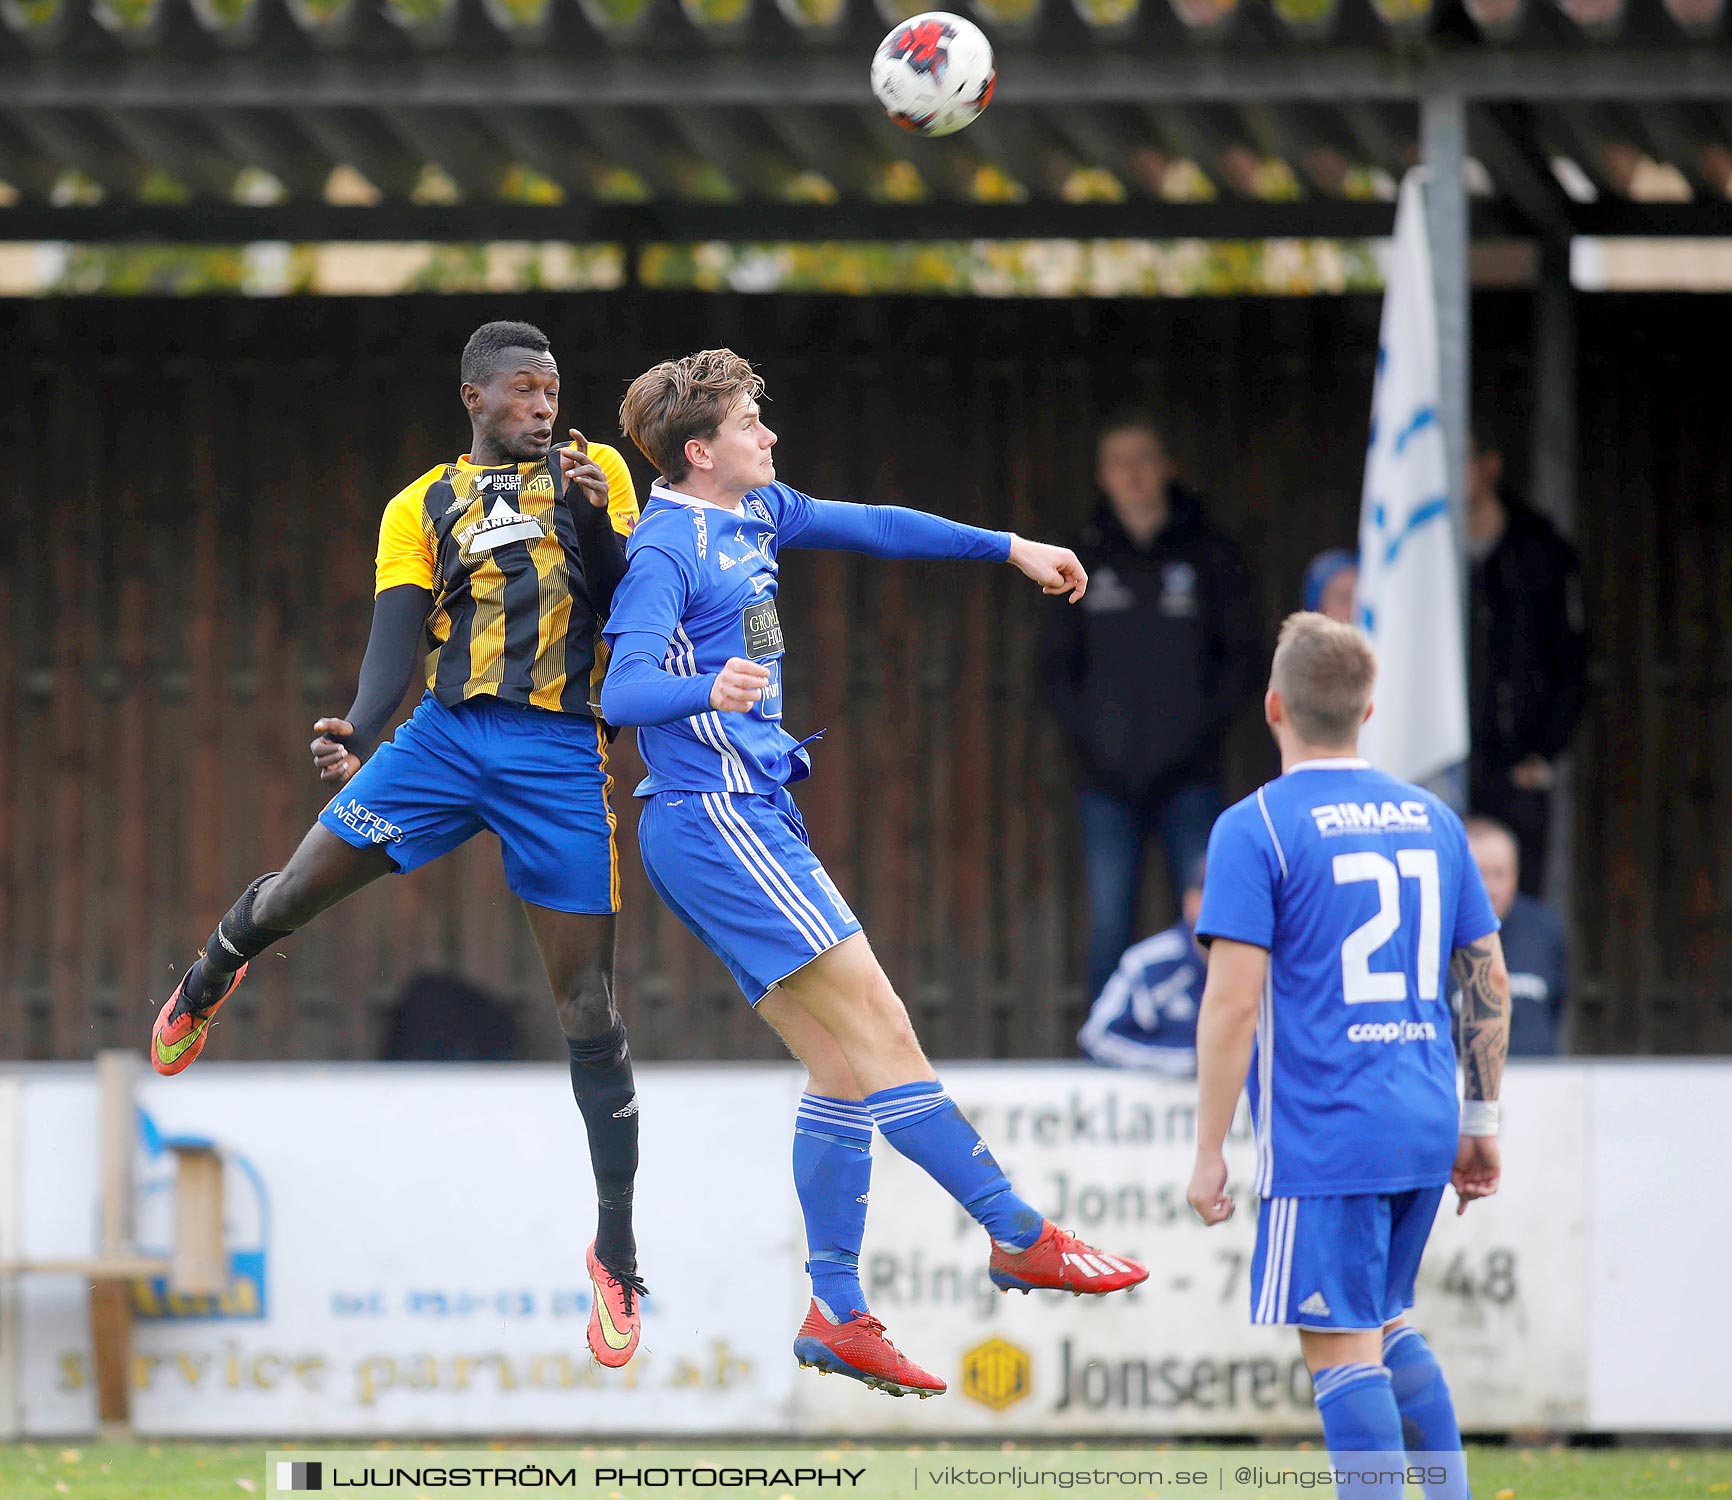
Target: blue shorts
point(1335, 1265)
point(739, 872)
point(538, 779)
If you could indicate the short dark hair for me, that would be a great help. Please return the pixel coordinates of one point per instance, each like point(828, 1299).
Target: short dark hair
point(1132, 419)
point(481, 355)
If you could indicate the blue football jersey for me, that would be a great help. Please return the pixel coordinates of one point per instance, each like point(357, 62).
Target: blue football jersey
point(718, 567)
point(1361, 887)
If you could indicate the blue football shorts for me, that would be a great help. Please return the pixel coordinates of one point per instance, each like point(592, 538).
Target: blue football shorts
point(740, 873)
point(1336, 1265)
point(536, 778)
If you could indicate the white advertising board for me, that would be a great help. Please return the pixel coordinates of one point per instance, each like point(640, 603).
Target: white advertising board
point(1502, 1293)
point(406, 1258)
point(407, 1255)
point(1662, 1230)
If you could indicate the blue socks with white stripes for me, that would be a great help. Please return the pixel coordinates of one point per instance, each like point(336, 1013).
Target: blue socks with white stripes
point(919, 1120)
point(1360, 1419)
point(832, 1175)
point(1427, 1413)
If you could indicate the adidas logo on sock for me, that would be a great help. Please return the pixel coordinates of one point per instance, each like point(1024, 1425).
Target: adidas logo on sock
point(862, 1198)
point(1315, 1305)
point(628, 1111)
point(979, 1148)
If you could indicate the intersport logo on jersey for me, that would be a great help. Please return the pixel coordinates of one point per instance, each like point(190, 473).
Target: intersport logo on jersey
point(1371, 817)
point(1392, 1031)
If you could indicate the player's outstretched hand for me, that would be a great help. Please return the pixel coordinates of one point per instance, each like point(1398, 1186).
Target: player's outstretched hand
point(1478, 1170)
point(335, 762)
point(1207, 1193)
point(1055, 569)
point(739, 686)
point(580, 469)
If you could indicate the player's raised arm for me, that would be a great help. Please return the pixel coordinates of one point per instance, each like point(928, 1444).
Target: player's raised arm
point(896, 531)
point(603, 501)
point(1479, 974)
point(1226, 1027)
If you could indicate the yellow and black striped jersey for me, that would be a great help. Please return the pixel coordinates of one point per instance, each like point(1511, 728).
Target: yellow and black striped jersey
point(510, 619)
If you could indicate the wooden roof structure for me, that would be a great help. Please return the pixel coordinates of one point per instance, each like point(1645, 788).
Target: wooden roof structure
point(228, 120)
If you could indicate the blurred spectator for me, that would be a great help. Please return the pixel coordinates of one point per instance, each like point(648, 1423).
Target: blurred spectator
point(444, 1018)
point(1527, 659)
point(1533, 943)
point(1146, 1017)
point(1330, 579)
point(1146, 674)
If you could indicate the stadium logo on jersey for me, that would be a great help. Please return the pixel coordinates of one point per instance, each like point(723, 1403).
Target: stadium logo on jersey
point(501, 525)
point(996, 1374)
point(1371, 817)
point(703, 532)
point(1178, 590)
point(1391, 1031)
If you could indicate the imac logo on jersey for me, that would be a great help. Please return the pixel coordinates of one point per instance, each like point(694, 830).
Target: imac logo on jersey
point(1371, 817)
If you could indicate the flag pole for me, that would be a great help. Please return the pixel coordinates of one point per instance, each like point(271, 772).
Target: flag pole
point(1443, 149)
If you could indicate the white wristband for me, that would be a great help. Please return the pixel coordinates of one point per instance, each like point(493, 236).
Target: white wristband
point(1479, 1117)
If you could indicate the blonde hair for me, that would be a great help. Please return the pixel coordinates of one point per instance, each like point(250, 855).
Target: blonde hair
point(682, 399)
point(1324, 672)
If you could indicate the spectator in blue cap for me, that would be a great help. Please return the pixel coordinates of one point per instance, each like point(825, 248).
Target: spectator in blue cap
point(1330, 579)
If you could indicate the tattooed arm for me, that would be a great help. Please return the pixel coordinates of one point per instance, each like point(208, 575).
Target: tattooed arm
point(1479, 974)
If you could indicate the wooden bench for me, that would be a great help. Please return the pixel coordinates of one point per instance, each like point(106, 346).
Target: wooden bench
point(198, 1266)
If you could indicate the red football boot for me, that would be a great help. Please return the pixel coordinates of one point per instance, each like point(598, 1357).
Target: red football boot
point(859, 1350)
point(1060, 1262)
point(177, 1040)
point(615, 1319)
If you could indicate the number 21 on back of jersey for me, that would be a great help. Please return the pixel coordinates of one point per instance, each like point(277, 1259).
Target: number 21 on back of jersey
point(1361, 983)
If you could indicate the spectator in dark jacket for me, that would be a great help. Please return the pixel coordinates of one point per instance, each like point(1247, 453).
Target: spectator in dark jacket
point(1533, 943)
point(1527, 660)
point(1145, 676)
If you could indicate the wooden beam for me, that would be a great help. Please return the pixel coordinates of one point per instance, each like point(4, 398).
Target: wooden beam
point(1131, 75)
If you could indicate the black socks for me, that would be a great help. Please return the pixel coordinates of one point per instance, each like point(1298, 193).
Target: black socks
point(235, 942)
point(602, 1082)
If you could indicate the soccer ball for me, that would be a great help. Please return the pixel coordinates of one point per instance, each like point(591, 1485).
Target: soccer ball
point(933, 73)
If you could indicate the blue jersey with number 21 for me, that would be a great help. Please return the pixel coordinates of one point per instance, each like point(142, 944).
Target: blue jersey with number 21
point(1361, 887)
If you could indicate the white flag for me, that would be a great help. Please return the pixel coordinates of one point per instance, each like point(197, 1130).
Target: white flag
point(1409, 598)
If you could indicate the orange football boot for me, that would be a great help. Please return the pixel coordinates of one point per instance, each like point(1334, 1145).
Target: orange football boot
point(1060, 1262)
point(177, 1040)
point(615, 1320)
point(859, 1350)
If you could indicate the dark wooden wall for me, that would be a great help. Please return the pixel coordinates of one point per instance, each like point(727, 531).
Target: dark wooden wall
point(191, 491)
